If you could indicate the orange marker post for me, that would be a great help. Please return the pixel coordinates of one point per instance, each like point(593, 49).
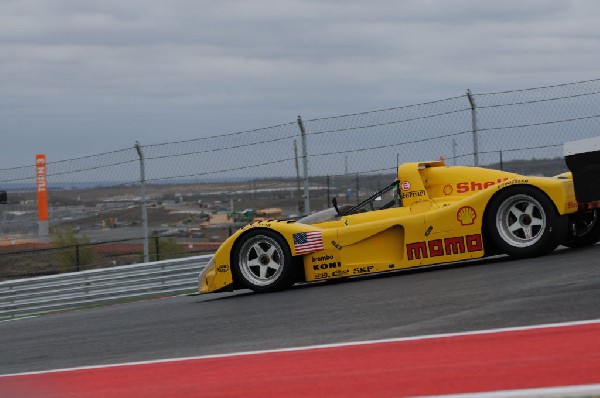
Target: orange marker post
point(42, 192)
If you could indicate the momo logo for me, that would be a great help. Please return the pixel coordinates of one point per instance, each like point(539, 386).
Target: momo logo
point(324, 266)
point(466, 215)
point(472, 186)
point(444, 247)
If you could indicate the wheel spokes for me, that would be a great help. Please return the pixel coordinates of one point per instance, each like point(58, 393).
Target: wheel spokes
point(521, 220)
point(515, 226)
point(529, 207)
point(261, 260)
point(528, 231)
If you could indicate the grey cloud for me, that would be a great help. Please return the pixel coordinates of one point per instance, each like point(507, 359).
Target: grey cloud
point(155, 71)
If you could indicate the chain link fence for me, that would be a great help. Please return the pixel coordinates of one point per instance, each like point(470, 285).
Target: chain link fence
point(199, 191)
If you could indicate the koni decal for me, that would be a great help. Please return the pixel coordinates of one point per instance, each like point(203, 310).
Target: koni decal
point(472, 186)
point(324, 266)
point(444, 247)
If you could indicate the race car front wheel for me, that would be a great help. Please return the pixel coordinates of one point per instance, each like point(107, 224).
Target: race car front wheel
point(523, 222)
point(263, 262)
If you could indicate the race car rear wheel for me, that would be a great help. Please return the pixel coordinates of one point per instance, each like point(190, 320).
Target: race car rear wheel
point(523, 222)
point(263, 262)
point(584, 228)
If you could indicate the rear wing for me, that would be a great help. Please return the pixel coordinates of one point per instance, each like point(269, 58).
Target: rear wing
point(583, 159)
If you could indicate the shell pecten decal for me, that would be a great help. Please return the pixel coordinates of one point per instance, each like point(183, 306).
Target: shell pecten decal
point(466, 215)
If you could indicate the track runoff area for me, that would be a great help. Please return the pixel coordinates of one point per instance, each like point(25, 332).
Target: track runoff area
point(554, 360)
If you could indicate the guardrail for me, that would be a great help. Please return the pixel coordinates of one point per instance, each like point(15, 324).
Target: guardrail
point(25, 297)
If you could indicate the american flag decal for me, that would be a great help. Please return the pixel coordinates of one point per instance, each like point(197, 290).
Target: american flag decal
point(306, 242)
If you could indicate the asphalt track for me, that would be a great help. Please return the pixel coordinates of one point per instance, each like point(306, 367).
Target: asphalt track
point(478, 295)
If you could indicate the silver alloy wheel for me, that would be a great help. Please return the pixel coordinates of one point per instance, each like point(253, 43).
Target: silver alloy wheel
point(261, 260)
point(521, 220)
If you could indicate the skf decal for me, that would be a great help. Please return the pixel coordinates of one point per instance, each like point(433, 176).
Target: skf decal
point(413, 194)
point(405, 186)
point(445, 247)
point(448, 190)
point(473, 186)
point(466, 215)
point(223, 268)
point(362, 270)
point(317, 267)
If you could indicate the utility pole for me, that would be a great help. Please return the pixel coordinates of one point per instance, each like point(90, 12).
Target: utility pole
point(454, 152)
point(300, 205)
point(305, 164)
point(474, 127)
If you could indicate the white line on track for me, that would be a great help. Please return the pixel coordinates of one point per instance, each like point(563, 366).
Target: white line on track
point(320, 346)
point(590, 390)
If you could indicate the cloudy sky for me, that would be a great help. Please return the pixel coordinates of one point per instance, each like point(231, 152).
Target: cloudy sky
point(84, 77)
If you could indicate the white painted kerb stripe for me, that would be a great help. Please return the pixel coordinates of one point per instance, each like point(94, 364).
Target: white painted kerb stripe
point(591, 390)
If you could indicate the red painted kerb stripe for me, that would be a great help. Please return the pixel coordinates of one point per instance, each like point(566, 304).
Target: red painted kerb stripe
point(507, 360)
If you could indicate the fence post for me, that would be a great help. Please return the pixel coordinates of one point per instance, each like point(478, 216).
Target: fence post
point(474, 127)
point(77, 261)
point(143, 192)
point(328, 193)
point(298, 194)
point(305, 163)
point(157, 246)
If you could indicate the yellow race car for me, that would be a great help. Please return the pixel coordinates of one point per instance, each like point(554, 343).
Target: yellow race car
point(431, 214)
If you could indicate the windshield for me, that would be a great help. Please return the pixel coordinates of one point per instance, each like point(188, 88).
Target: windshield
point(387, 198)
point(319, 217)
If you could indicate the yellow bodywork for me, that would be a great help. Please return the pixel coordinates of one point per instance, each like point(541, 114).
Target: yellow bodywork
point(441, 220)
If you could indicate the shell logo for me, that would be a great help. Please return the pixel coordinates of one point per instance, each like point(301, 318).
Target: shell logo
point(466, 215)
point(448, 190)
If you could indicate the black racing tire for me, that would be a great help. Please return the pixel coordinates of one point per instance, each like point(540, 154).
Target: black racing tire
point(523, 222)
point(262, 261)
point(584, 229)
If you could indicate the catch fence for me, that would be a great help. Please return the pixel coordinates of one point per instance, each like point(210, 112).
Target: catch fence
point(196, 192)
